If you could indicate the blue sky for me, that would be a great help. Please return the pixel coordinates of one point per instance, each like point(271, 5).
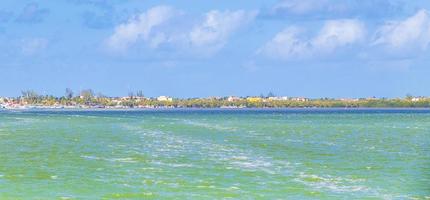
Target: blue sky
point(194, 48)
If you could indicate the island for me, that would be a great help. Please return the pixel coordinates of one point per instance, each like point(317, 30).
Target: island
point(87, 99)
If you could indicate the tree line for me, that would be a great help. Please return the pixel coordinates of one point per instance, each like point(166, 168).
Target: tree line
point(88, 97)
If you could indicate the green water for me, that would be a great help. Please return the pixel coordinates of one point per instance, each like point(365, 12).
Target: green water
point(213, 154)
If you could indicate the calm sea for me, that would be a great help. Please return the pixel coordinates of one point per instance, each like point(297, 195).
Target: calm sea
point(215, 154)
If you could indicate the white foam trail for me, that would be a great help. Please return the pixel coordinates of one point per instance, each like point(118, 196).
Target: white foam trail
point(334, 184)
point(210, 126)
point(124, 160)
point(168, 144)
point(174, 165)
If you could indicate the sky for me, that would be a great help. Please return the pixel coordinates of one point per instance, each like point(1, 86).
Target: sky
point(194, 48)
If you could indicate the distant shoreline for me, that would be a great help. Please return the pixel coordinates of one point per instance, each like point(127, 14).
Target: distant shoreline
point(224, 109)
point(87, 100)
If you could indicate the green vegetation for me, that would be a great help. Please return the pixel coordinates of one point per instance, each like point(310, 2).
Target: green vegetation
point(87, 98)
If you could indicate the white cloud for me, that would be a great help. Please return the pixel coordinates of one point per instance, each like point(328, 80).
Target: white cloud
point(141, 27)
point(338, 33)
point(410, 33)
point(158, 26)
point(287, 44)
point(290, 44)
point(218, 27)
point(33, 46)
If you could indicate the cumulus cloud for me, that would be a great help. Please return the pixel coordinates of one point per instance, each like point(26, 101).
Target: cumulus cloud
point(218, 26)
point(410, 33)
point(158, 27)
point(338, 33)
point(32, 13)
point(141, 27)
point(292, 44)
point(287, 44)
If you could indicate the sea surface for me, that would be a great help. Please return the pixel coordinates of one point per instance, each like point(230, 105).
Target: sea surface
point(215, 154)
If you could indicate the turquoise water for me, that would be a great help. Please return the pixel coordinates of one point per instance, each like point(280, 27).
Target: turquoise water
point(215, 154)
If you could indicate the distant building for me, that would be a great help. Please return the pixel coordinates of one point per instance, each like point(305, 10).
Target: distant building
point(164, 98)
point(348, 99)
point(415, 99)
point(128, 98)
point(214, 98)
point(254, 99)
point(300, 99)
point(278, 98)
point(233, 98)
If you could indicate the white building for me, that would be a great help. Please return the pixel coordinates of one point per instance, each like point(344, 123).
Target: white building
point(300, 99)
point(278, 98)
point(349, 99)
point(233, 98)
point(164, 98)
point(415, 99)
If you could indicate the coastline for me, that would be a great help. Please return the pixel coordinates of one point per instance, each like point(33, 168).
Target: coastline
point(221, 109)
